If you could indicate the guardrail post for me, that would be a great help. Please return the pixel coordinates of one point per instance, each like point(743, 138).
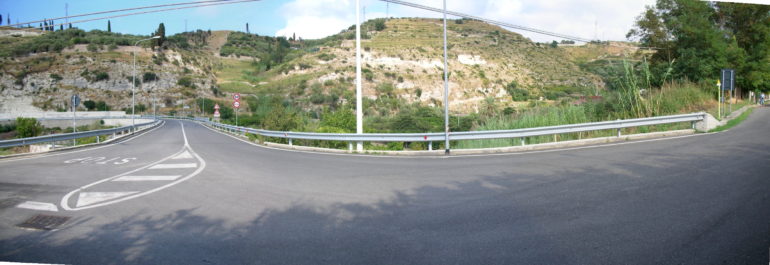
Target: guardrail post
point(523, 142)
point(693, 125)
point(290, 142)
point(430, 146)
point(618, 132)
point(350, 146)
point(97, 139)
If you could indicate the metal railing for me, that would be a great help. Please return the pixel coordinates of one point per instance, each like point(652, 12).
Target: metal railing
point(80, 118)
point(472, 135)
point(76, 135)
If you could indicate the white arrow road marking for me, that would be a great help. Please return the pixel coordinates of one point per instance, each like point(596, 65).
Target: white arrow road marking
point(41, 206)
point(185, 155)
point(91, 201)
point(167, 166)
point(147, 178)
point(88, 198)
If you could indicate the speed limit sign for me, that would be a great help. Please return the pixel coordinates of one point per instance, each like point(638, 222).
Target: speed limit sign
point(236, 104)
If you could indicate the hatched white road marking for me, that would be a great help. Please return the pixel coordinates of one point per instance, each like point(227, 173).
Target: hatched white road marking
point(42, 206)
point(88, 198)
point(185, 155)
point(166, 166)
point(147, 178)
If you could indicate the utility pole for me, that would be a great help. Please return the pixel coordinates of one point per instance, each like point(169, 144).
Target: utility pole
point(446, 90)
point(359, 105)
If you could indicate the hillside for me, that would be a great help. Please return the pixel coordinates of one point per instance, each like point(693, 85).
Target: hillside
point(403, 58)
point(402, 64)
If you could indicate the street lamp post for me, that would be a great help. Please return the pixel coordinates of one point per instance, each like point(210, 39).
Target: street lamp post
point(133, 84)
point(359, 97)
point(446, 91)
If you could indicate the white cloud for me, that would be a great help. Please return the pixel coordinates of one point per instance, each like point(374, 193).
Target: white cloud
point(603, 19)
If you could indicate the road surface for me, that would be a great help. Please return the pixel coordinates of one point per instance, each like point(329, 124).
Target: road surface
point(184, 194)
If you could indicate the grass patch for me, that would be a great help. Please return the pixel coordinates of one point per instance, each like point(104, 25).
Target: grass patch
point(236, 87)
point(734, 122)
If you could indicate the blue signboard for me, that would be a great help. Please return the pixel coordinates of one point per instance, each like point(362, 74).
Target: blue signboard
point(728, 79)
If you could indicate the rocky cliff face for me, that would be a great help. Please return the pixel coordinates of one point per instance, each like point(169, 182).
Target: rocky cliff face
point(45, 81)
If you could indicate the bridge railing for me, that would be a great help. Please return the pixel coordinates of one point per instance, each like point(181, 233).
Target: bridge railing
point(76, 135)
point(471, 135)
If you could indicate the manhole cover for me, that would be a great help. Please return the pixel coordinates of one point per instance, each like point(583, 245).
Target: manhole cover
point(44, 222)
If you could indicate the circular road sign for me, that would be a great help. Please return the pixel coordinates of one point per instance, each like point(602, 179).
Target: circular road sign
point(236, 104)
point(216, 106)
point(237, 96)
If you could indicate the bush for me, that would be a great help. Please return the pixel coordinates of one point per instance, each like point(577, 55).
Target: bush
point(89, 104)
point(27, 127)
point(149, 77)
point(99, 76)
point(185, 82)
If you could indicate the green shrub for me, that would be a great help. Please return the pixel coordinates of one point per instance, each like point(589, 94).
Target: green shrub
point(149, 77)
point(27, 127)
point(185, 82)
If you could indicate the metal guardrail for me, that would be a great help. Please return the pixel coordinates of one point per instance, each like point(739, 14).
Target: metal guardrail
point(76, 135)
point(82, 118)
point(473, 135)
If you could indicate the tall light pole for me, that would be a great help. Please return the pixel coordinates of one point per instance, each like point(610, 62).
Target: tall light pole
point(133, 83)
point(359, 104)
point(446, 91)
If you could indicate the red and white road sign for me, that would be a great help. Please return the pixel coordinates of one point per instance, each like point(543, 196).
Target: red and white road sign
point(236, 104)
point(216, 106)
point(237, 97)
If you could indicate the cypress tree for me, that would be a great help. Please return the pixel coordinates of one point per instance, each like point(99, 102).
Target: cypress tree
point(109, 26)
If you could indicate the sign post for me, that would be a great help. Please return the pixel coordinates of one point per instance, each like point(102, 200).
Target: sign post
point(237, 106)
point(75, 102)
point(216, 111)
point(728, 83)
point(719, 99)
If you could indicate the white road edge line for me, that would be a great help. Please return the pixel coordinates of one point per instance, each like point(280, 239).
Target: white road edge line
point(41, 206)
point(83, 150)
point(461, 156)
point(202, 166)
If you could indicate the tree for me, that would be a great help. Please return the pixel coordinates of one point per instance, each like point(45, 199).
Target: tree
point(161, 32)
point(8, 16)
point(750, 25)
point(554, 44)
point(109, 26)
point(70, 25)
point(247, 27)
point(61, 27)
point(688, 39)
point(1, 19)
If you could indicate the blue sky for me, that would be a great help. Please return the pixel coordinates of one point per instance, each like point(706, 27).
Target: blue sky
point(603, 19)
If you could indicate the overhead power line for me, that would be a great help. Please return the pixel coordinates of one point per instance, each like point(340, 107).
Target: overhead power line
point(127, 9)
point(228, 2)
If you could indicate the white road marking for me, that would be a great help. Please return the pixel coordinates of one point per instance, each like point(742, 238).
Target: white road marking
point(167, 166)
point(41, 206)
point(82, 150)
point(185, 155)
point(202, 165)
point(147, 178)
point(88, 198)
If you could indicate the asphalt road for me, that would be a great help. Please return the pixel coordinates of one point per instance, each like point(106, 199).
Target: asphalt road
point(692, 200)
